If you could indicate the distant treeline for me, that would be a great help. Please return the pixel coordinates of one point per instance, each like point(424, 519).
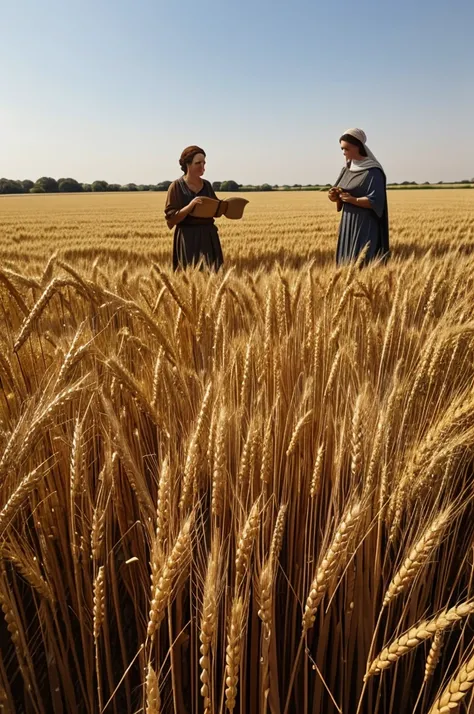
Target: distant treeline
point(46, 184)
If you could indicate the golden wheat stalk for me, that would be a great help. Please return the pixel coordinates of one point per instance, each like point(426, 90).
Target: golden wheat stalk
point(458, 687)
point(434, 655)
point(300, 424)
point(173, 566)
point(153, 702)
point(245, 544)
point(99, 602)
point(416, 635)
point(21, 493)
point(194, 452)
point(278, 533)
point(219, 467)
point(332, 562)
point(317, 472)
point(265, 596)
point(36, 311)
point(208, 631)
point(417, 557)
point(234, 652)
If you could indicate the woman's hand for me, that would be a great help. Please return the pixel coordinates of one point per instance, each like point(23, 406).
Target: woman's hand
point(346, 197)
point(333, 194)
point(195, 202)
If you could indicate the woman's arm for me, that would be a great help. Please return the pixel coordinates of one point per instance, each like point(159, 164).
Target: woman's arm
point(376, 193)
point(175, 212)
point(183, 212)
point(362, 202)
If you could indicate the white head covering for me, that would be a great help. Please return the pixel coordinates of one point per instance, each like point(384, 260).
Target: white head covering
point(367, 162)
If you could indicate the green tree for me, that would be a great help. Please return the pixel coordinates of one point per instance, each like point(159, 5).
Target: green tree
point(99, 186)
point(48, 184)
point(163, 185)
point(86, 187)
point(229, 186)
point(69, 185)
point(27, 185)
point(217, 185)
point(113, 187)
point(10, 186)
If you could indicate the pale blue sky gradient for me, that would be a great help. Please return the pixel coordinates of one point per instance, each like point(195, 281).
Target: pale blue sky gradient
point(116, 89)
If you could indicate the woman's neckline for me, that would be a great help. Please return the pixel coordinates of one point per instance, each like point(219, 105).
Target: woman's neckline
point(192, 189)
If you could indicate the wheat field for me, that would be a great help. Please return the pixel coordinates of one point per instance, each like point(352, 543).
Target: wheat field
point(247, 492)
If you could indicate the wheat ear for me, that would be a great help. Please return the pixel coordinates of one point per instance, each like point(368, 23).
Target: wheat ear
point(417, 557)
point(265, 586)
point(208, 627)
point(317, 472)
point(246, 540)
point(172, 567)
point(99, 602)
point(456, 690)
point(26, 486)
point(332, 562)
point(218, 472)
point(416, 635)
point(233, 652)
point(278, 533)
point(153, 703)
point(300, 424)
point(433, 655)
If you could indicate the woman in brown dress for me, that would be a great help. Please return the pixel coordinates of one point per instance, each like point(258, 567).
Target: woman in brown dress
point(195, 239)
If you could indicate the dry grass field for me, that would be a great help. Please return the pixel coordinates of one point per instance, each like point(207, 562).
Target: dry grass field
point(247, 492)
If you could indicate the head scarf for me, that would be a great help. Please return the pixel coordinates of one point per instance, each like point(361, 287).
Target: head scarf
point(366, 162)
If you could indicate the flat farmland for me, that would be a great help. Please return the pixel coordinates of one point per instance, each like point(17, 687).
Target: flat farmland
point(290, 227)
point(246, 492)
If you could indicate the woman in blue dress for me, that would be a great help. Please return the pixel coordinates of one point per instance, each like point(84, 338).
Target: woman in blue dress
point(361, 193)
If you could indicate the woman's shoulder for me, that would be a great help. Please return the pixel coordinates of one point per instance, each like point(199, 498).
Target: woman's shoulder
point(175, 187)
point(376, 171)
point(377, 174)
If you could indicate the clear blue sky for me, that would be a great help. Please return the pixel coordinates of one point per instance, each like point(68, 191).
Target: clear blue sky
point(116, 89)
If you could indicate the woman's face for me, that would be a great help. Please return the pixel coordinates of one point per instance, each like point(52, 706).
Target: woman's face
point(197, 167)
point(350, 151)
